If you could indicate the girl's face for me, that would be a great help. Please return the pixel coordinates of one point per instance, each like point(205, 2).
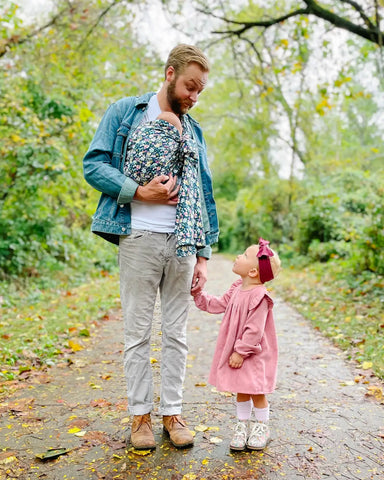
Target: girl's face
point(246, 261)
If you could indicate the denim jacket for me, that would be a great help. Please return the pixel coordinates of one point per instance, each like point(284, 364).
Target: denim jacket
point(103, 170)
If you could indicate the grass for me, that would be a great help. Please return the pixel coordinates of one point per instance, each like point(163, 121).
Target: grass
point(347, 308)
point(38, 326)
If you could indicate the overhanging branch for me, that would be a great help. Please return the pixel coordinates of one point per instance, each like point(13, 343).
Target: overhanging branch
point(11, 42)
point(369, 29)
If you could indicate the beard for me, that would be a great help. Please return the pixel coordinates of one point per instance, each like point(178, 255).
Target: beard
point(176, 103)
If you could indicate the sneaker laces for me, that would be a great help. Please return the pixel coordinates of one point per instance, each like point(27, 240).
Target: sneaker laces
point(240, 431)
point(258, 430)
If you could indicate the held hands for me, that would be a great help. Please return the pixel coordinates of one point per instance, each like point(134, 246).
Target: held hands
point(236, 360)
point(161, 189)
point(199, 276)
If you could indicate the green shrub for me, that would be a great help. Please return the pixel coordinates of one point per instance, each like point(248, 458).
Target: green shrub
point(324, 251)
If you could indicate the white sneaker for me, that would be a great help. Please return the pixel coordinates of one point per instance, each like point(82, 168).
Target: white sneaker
point(239, 438)
point(259, 436)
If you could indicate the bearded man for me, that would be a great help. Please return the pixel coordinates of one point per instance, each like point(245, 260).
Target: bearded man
point(141, 220)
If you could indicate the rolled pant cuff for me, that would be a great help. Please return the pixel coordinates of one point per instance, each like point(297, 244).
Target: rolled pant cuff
point(141, 410)
point(168, 412)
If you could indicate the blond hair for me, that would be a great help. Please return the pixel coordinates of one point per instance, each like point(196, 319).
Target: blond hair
point(182, 55)
point(275, 264)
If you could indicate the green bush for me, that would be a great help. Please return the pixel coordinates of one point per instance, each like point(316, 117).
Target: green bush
point(324, 251)
point(319, 220)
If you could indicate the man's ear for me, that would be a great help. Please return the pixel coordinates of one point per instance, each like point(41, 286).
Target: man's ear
point(170, 74)
point(253, 273)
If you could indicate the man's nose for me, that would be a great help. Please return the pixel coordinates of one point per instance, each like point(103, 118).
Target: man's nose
point(193, 97)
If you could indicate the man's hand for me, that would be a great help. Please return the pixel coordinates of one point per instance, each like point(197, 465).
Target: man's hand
point(236, 360)
point(161, 189)
point(199, 276)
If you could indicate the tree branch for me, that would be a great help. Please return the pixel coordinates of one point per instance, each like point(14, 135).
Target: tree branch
point(98, 20)
point(361, 12)
point(260, 23)
point(371, 34)
point(369, 31)
point(11, 42)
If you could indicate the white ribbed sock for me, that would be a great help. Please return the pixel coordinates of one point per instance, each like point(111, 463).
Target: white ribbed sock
point(261, 414)
point(244, 410)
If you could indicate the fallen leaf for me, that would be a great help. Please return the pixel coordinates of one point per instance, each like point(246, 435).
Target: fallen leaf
point(376, 392)
point(94, 386)
point(21, 405)
point(189, 476)
point(52, 453)
point(140, 452)
point(6, 458)
point(96, 438)
point(101, 403)
point(201, 428)
point(215, 440)
point(74, 430)
point(75, 347)
point(367, 365)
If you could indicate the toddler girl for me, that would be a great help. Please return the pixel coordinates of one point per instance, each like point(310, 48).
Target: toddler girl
point(245, 359)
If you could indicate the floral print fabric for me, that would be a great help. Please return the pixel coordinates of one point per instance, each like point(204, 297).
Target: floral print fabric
point(156, 148)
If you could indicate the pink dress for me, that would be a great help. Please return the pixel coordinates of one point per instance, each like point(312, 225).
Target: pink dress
point(249, 329)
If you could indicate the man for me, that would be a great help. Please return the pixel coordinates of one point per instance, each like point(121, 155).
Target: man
point(141, 220)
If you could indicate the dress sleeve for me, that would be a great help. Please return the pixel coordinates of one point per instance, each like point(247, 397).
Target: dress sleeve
point(249, 343)
point(213, 304)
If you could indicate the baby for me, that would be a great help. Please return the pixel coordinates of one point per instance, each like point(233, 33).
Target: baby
point(164, 147)
point(154, 149)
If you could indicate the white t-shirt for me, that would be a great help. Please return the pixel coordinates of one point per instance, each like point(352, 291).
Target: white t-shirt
point(152, 216)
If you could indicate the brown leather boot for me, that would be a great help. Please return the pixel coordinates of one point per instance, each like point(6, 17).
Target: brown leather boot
point(178, 431)
point(141, 433)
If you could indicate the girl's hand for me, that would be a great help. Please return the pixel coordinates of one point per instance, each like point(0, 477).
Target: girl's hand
point(236, 360)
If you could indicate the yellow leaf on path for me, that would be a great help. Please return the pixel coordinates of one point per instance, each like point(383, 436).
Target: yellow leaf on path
point(189, 476)
point(153, 360)
point(95, 387)
point(215, 440)
point(375, 391)
point(74, 430)
point(201, 428)
point(75, 347)
point(7, 460)
point(205, 461)
point(348, 383)
point(140, 452)
point(367, 365)
point(200, 384)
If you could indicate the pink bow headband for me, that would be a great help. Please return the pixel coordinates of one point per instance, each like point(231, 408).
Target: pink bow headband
point(265, 269)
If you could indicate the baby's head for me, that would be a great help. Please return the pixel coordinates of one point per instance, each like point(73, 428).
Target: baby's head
point(269, 262)
point(172, 118)
point(259, 262)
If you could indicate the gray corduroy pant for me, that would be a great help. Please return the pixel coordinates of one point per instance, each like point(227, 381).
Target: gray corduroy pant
point(148, 264)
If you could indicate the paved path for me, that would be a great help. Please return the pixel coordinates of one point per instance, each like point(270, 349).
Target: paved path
point(323, 425)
